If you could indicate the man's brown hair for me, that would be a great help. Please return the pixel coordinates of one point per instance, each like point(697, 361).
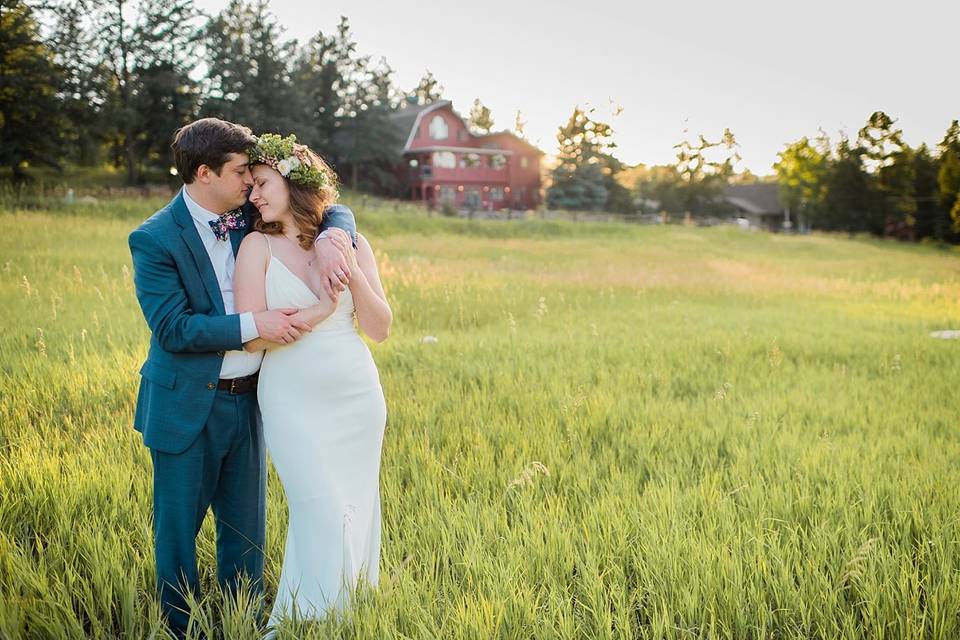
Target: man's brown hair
point(208, 141)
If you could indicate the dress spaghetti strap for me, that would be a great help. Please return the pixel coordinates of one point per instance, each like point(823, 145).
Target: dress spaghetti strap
point(269, 248)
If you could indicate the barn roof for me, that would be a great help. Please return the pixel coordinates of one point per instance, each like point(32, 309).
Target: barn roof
point(507, 132)
point(406, 119)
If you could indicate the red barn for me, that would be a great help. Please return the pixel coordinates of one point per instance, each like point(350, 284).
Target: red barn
point(445, 162)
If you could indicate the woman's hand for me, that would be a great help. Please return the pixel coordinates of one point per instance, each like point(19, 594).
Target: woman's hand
point(331, 261)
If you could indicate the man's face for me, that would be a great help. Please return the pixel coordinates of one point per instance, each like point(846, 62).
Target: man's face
point(233, 184)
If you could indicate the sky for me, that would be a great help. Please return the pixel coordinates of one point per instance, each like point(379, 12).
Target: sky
point(772, 72)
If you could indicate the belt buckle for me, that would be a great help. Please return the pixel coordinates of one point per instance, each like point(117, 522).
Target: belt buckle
point(233, 386)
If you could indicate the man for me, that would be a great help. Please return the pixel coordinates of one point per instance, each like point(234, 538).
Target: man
point(197, 404)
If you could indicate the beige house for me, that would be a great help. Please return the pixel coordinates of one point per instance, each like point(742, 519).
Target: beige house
point(759, 204)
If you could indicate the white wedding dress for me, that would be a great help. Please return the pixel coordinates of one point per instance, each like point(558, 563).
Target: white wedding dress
point(323, 421)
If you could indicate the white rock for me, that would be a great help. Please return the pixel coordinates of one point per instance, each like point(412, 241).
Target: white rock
point(429, 340)
point(949, 334)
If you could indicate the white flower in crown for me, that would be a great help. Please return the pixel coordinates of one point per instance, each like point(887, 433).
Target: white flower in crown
point(294, 162)
point(284, 167)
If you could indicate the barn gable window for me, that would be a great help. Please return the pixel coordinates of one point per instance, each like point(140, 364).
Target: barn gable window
point(438, 128)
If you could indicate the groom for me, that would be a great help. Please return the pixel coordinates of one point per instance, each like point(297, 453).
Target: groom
point(197, 404)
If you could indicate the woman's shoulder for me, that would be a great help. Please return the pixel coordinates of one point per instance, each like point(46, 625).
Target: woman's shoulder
point(253, 244)
point(365, 253)
point(254, 239)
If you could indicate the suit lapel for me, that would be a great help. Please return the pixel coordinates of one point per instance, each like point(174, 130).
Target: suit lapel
point(188, 231)
point(236, 237)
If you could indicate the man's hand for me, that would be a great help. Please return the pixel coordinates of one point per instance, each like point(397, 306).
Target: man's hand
point(331, 261)
point(281, 326)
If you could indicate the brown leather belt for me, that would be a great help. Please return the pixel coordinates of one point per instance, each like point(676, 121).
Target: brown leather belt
point(239, 385)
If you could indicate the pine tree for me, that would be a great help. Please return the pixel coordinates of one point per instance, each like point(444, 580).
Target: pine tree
point(319, 76)
point(168, 37)
point(586, 174)
point(948, 178)
point(113, 23)
point(143, 54)
point(889, 160)
point(30, 121)
point(366, 138)
point(83, 85)
point(850, 196)
point(249, 69)
point(929, 218)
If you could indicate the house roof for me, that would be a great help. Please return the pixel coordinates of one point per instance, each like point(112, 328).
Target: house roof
point(755, 198)
point(408, 118)
point(405, 118)
point(507, 132)
point(476, 150)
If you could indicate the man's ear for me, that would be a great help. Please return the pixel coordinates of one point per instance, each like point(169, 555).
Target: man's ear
point(203, 174)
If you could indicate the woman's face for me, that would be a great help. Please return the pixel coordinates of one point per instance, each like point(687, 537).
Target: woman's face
point(270, 195)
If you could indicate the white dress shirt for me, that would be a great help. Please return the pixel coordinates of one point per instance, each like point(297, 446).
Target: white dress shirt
point(235, 363)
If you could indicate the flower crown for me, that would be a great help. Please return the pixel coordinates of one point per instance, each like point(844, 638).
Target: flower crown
point(292, 160)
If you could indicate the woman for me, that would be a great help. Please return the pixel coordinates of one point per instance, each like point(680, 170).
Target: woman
point(320, 396)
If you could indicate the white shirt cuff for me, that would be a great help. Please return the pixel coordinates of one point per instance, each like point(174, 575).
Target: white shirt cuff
point(248, 328)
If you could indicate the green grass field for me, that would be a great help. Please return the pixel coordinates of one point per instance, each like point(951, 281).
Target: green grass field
point(620, 432)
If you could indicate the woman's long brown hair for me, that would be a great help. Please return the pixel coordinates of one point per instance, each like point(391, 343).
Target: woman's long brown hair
point(307, 204)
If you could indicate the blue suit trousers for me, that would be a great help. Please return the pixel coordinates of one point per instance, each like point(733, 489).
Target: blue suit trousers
point(223, 468)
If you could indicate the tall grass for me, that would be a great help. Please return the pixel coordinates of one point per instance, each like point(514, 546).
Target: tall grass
point(619, 432)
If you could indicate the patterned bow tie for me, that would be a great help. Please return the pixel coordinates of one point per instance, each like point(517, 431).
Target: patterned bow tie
point(227, 222)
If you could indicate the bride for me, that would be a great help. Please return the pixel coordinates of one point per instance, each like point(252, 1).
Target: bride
point(320, 396)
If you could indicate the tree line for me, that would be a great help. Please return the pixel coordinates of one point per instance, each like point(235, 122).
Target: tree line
point(876, 183)
point(91, 82)
point(589, 177)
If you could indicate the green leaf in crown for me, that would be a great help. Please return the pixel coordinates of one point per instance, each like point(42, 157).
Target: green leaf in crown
point(290, 159)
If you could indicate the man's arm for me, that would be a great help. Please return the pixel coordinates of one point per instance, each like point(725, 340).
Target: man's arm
point(341, 217)
point(165, 306)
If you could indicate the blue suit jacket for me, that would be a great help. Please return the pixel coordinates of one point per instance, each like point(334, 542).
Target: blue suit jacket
point(178, 292)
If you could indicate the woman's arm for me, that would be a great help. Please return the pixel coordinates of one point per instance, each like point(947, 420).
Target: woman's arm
point(249, 278)
point(370, 302)
point(250, 293)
